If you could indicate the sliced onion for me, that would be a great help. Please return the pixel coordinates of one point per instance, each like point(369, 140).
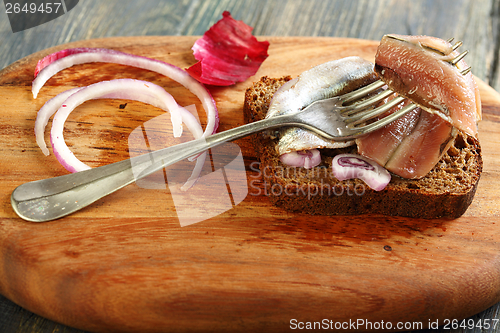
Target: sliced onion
point(47, 60)
point(306, 158)
point(349, 166)
point(52, 105)
point(42, 119)
point(124, 89)
point(58, 61)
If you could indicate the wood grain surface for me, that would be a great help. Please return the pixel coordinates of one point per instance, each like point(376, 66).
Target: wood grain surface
point(125, 264)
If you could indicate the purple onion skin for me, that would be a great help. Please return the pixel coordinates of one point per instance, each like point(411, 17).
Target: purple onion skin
point(349, 166)
point(347, 162)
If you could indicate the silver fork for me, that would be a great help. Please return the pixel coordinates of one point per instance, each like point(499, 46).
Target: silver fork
point(339, 118)
point(52, 198)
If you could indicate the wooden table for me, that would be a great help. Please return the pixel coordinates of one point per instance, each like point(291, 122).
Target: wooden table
point(476, 23)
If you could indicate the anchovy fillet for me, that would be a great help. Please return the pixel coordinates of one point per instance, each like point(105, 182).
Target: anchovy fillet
point(330, 79)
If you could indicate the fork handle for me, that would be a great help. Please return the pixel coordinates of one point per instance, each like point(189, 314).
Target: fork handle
point(53, 198)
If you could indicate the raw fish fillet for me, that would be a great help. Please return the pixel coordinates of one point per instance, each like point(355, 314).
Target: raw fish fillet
point(410, 146)
point(420, 151)
point(418, 67)
point(381, 145)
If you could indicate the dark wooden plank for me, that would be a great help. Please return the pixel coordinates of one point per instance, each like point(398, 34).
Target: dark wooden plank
point(16, 319)
point(473, 22)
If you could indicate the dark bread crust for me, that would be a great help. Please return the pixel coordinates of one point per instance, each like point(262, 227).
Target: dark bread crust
point(447, 191)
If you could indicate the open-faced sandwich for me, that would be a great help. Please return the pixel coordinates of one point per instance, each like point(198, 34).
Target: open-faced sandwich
point(426, 164)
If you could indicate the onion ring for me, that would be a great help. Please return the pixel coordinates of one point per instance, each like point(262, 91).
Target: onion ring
point(349, 166)
point(123, 89)
point(42, 118)
point(52, 105)
point(58, 61)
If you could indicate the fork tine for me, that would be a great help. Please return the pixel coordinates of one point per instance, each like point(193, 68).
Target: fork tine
point(362, 106)
point(364, 116)
point(457, 45)
point(466, 71)
point(459, 57)
point(361, 92)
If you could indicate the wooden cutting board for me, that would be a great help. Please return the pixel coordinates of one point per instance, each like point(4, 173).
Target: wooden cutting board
point(125, 263)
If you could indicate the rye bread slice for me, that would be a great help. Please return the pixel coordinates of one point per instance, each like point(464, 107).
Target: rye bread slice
point(446, 191)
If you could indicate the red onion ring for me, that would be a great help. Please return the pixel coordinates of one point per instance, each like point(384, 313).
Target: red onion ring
point(306, 158)
point(52, 105)
point(58, 61)
point(42, 118)
point(142, 91)
point(349, 166)
point(47, 60)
